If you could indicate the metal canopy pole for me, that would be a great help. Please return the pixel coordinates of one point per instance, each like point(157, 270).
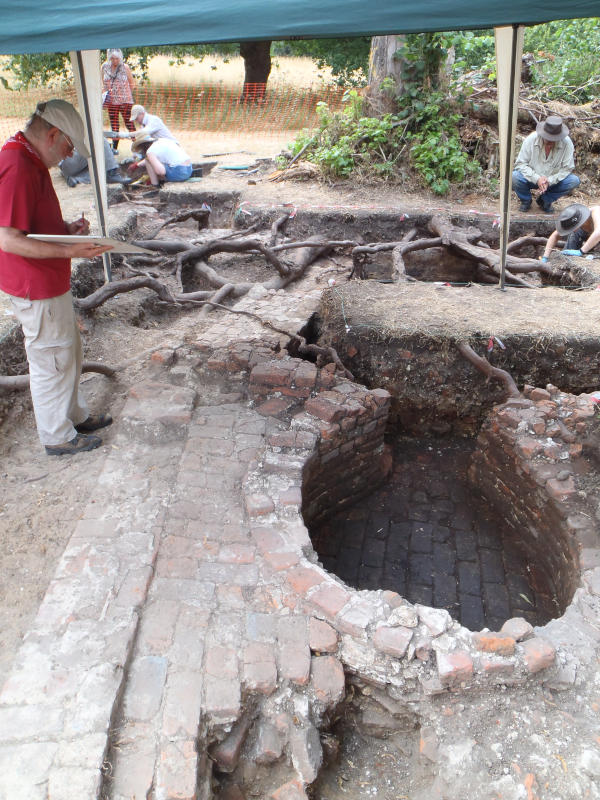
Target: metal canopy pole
point(86, 68)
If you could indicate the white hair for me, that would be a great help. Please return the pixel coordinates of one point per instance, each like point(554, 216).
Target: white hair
point(114, 52)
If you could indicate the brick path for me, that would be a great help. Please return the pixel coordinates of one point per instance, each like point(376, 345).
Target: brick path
point(427, 536)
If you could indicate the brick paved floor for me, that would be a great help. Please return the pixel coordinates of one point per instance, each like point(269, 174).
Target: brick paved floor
point(427, 537)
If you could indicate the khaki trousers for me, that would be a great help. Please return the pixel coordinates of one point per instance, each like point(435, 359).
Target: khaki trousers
point(53, 347)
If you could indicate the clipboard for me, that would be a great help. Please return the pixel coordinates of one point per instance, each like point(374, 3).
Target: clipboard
point(117, 245)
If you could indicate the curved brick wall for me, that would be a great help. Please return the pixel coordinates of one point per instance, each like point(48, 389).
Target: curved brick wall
point(527, 463)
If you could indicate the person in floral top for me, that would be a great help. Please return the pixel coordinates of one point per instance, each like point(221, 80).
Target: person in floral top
point(118, 84)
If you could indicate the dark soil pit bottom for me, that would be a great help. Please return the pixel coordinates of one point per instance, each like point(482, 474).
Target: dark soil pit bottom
point(426, 535)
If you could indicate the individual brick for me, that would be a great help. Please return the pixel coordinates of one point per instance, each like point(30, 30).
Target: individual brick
point(259, 505)
point(182, 706)
point(269, 745)
point(272, 374)
point(226, 754)
point(281, 561)
point(325, 409)
point(301, 579)
point(327, 680)
point(355, 618)
point(294, 662)
point(133, 772)
point(144, 691)
point(538, 654)
point(177, 771)
point(454, 668)
point(322, 637)
point(392, 641)
point(518, 628)
point(259, 673)
point(500, 643)
point(328, 598)
point(222, 699)
point(306, 751)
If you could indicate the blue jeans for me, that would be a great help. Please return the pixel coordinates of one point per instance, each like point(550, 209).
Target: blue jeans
point(576, 239)
point(179, 173)
point(523, 188)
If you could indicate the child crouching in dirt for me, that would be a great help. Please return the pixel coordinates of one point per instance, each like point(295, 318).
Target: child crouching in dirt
point(581, 225)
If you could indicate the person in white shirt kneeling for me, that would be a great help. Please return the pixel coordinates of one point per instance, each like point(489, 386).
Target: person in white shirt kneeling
point(163, 159)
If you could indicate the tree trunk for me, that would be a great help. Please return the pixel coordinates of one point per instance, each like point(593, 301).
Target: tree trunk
point(384, 64)
point(257, 68)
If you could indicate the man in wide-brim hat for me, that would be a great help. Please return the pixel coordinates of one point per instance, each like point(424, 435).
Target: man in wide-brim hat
point(545, 163)
point(581, 226)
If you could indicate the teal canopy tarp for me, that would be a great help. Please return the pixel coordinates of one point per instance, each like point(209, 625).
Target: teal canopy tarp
point(41, 26)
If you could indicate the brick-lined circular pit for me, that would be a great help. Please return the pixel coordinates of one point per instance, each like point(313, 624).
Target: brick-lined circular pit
point(429, 536)
point(191, 627)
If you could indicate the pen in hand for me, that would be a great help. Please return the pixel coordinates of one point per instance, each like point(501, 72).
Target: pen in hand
point(82, 223)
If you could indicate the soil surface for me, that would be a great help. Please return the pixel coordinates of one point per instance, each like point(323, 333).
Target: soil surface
point(40, 495)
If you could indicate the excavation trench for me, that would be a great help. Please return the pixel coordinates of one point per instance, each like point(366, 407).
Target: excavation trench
point(450, 514)
point(428, 532)
point(455, 521)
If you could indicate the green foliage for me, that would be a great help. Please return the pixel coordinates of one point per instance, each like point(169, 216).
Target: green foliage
point(38, 69)
point(348, 59)
point(347, 142)
point(474, 50)
point(435, 147)
point(567, 59)
point(422, 57)
point(565, 53)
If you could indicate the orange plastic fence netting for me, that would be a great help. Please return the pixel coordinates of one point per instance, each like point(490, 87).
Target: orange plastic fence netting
point(264, 108)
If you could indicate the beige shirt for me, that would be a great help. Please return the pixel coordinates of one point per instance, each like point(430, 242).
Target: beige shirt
point(532, 162)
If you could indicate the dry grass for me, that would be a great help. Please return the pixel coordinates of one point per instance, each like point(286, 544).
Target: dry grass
point(289, 70)
point(300, 72)
point(204, 94)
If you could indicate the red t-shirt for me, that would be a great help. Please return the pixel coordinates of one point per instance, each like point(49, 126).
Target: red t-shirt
point(29, 203)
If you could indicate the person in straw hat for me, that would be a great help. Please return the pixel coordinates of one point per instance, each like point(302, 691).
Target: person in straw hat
point(163, 159)
point(581, 226)
point(545, 163)
point(36, 275)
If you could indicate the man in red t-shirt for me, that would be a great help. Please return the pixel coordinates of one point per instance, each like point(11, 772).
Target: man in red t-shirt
point(37, 275)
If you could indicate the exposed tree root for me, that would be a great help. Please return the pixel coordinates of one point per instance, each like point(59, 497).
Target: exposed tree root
point(201, 216)
point(219, 295)
point(458, 241)
point(20, 382)
point(277, 227)
point(322, 355)
point(192, 257)
point(491, 372)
